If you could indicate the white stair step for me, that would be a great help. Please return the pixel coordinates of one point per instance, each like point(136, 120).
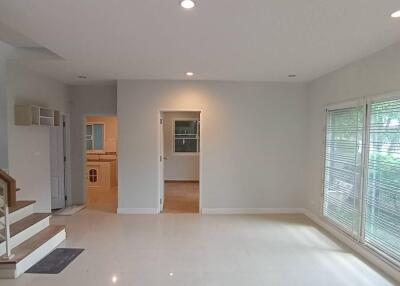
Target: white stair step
point(32, 250)
point(25, 228)
point(19, 211)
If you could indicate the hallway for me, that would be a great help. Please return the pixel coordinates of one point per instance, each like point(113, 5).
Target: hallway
point(104, 200)
point(181, 197)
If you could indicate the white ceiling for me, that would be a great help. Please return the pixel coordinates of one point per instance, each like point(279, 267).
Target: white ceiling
point(252, 40)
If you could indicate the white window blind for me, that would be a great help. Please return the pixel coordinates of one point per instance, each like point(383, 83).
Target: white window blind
point(343, 157)
point(362, 179)
point(382, 203)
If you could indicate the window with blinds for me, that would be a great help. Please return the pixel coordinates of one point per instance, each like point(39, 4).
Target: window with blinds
point(382, 196)
point(343, 156)
point(362, 179)
point(186, 136)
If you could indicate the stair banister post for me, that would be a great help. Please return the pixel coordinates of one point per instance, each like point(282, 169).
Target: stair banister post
point(7, 238)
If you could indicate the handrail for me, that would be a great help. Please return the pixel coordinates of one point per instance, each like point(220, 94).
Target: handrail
point(11, 188)
point(4, 209)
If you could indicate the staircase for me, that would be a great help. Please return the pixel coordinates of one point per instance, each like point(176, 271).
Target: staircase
point(31, 237)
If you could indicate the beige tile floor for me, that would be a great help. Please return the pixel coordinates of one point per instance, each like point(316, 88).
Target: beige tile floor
point(245, 250)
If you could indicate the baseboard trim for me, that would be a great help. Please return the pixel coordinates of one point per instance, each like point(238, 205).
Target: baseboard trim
point(252, 211)
point(368, 254)
point(137, 211)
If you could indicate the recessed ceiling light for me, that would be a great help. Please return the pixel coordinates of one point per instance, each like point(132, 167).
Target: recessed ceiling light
point(171, 274)
point(292, 75)
point(190, 74)
point(187, 4)
point(114, 279)
point(82, 76)
point(396, 14)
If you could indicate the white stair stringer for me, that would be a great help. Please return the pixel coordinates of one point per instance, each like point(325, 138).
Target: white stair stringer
point(25, 234)
point(12, 271)
point(19, 214)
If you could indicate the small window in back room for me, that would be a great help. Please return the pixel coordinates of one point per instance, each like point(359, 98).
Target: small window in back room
point(186, 136)
point(95, 137)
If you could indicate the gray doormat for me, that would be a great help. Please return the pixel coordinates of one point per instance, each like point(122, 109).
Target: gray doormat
point(56, 261)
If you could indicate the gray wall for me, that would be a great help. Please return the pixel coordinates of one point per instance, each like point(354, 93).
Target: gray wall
point(3, 116)
point(253, 142)
point(178, 167)
point(29, 146)
point(86, 100)
point(371, 76)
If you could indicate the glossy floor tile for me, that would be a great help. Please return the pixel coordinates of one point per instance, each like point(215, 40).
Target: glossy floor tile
point(206, 250)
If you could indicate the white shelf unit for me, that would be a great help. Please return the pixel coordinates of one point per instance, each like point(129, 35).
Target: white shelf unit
point(28, 115)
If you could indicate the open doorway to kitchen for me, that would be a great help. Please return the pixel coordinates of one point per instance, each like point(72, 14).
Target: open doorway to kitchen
point(180, 161)
point(101, 136)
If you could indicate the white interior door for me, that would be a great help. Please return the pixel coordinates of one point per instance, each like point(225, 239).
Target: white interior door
point(161, 179)
point(57, 167)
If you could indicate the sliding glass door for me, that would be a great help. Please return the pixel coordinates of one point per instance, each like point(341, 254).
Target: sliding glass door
point(362, 173)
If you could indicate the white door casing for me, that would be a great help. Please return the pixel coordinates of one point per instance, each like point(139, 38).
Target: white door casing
point(161, 179)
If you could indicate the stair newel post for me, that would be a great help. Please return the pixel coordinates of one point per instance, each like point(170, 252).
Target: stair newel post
point(6, 214)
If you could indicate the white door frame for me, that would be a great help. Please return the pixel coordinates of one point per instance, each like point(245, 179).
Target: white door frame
point(67, 164)
point(83, 146)
point(160, 170)
point(66, 149)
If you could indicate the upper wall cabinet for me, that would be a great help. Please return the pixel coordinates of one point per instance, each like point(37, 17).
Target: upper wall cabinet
point(35, 115)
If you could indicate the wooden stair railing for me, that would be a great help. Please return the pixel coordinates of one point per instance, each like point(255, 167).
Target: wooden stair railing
point(11, 188)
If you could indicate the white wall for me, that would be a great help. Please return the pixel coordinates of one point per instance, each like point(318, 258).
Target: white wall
point(178, 167)
point(253, 142)
point(374, 75)
point(28, 146)
point(3, 116)
point(86, 100)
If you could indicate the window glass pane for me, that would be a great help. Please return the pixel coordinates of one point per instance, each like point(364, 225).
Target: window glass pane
point(186, 136)
point(89, 130)
point(382, 210)
point(89, 145)
point(186, 127)
point(186, 145)
point(98, 130)
point(343, 154)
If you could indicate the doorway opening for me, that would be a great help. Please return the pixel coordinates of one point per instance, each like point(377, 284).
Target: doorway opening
point(180, 159)
point(101, 163)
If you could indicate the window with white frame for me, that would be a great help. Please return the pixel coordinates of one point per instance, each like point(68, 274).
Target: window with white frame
point(95, 137)
point(362, 173)
point(186, 136)
point(343, 156)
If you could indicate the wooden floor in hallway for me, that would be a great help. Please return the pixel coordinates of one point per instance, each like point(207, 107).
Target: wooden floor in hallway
point(102, 199)
point(181, 197)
